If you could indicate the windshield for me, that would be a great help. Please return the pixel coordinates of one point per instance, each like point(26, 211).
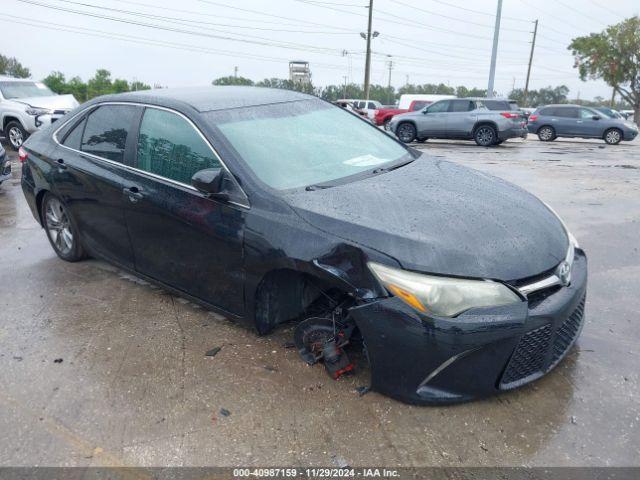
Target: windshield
point(24, 90)
point(302, 143)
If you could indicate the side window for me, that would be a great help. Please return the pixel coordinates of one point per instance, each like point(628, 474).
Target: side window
point(106, 131)
point(372, 106)
point(567, 112)
point(419, 105)
point(170, 146)
point(75, 136)
point(439, 107)
point(586, 114)
point(497, 105)
point(461, 106)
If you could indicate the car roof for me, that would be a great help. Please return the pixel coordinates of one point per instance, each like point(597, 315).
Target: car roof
point(5, 78)
point(485, 98)
point(206, 99)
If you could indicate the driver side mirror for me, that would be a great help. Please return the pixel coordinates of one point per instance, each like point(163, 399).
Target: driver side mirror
point(596, 117)
point(211, 182)
point(425, 110)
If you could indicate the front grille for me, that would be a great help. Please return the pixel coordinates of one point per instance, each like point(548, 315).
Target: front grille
point(529, 356)
point(567, 333)
point(537, 353)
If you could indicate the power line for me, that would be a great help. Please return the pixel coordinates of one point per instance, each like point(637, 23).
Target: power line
point(265, 42)
point(479, 12)
point(468, 22)
point(200, 22)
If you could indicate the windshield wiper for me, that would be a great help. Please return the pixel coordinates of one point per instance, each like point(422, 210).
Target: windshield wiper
point(319, 186)
point(392, 167)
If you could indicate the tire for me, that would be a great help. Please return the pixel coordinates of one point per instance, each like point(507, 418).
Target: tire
point(406, 132)
point(61, 229)
point(546, 134)
point(613, 136)
point(485, 135)
point(15, 134)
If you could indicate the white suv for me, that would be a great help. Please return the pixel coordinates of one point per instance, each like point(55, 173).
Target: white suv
point(26, 106)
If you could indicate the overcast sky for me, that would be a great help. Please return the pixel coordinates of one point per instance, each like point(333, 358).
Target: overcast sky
point(191, 42)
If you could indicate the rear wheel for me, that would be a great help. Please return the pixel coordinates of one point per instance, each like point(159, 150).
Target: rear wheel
point(406, 132)
point(61, 230)
point(485, 135)
point(613, 136)
point(547, 134)
point(16, 135)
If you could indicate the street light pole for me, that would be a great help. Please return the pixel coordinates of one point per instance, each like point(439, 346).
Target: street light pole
point(494, 51)
point(367, 67)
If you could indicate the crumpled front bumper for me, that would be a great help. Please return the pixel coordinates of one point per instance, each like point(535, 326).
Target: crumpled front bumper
point(423, 360)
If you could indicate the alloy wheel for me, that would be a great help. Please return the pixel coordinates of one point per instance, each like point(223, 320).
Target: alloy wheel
point(546, 134)
point(485, 136)
point(612, 137)
point(406, 133)
point(58, 226)
point(15, 137)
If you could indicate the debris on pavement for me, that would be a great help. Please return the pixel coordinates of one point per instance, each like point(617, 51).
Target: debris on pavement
point(58, 360)
point(363, 390)
point(213, 352)
point(224, 412)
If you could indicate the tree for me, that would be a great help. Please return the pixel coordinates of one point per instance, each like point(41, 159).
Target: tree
point(231, 80)
point(12, 67)
point(613, 55)
point(56, 82)
point(543, 96)
point(138, 85)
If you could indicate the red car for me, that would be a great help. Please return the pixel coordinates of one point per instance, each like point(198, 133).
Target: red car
point(383, 115)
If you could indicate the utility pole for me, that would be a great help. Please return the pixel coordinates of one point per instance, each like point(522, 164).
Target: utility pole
point(367, 66)
point(494, 51)
point(235, 72)
point(390, 64)
point(344, 91)
point(533, 46)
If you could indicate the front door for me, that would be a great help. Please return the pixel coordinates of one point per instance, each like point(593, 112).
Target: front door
point(89, 177)
point(587, 126)
point(433, 122)
point(180, 237)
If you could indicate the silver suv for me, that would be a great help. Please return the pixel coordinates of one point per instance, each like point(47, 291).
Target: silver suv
point(487, 121)
point(26, 106)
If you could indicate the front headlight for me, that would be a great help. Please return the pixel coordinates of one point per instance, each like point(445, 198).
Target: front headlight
point(442, 296)
point(37, 111)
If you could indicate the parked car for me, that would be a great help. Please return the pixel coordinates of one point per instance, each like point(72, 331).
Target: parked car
point(487, 121)
point(367, 106)
point(5, 166)
point(270, 205)
point(553, 121)
point(26, 106)
point(407, 103)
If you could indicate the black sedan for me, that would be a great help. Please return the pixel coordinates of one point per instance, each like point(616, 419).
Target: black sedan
point(273, 206)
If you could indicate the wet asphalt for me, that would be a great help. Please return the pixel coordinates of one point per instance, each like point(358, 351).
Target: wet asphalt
point(99, 368)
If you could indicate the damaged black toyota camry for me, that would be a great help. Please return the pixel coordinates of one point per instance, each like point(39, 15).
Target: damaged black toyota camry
point(274, 206)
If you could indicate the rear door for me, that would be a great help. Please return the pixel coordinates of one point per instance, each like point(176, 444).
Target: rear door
point(433, 121)
point(180, 237)
point(90, 173)
point(461, 118)
point(564, 121)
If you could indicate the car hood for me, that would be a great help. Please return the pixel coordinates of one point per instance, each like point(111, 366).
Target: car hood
point(438, 217)
point(53, 102)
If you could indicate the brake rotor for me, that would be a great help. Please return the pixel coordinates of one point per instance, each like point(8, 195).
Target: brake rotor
point(311, 336)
